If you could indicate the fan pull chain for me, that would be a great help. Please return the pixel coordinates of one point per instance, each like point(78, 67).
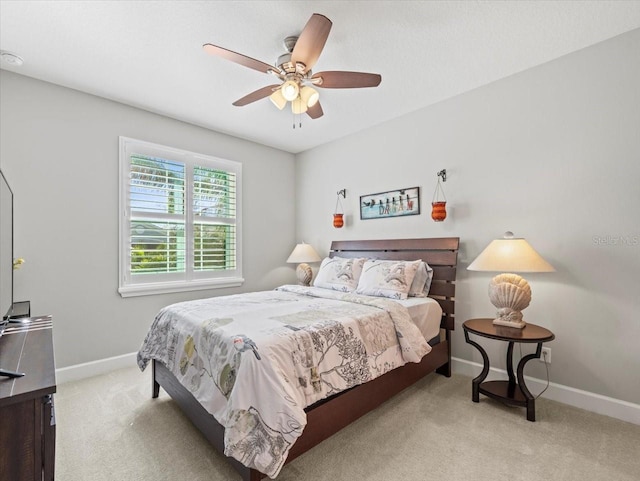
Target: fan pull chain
point(299, 121)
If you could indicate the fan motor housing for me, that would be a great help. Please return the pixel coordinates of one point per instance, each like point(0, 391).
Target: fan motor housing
point(290, 42)
point(285, 64)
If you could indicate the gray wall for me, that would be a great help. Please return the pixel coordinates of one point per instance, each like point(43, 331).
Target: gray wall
point(553, 154)
point(59, 151)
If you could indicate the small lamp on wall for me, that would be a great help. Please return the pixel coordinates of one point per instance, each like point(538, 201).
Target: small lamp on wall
point(302, 254)
point(510, 293)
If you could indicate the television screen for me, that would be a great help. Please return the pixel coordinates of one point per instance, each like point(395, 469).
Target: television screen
point(6, 248)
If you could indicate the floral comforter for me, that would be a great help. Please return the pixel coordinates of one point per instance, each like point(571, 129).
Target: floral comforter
point(256, 360)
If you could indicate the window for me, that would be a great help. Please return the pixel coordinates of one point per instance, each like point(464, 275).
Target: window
point(180, 226)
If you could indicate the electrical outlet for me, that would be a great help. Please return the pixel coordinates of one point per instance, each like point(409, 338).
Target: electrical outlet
point(546, 355)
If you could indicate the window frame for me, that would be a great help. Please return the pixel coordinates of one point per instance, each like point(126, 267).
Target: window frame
point(190, 280)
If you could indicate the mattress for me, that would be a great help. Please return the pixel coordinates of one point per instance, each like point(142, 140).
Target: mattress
point(426, 313)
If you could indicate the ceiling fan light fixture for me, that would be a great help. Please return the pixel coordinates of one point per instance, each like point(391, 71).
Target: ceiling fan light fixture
point(290, 90)
point(277, 99)
point(298, 106)
point(294, 70)
point(309, 96)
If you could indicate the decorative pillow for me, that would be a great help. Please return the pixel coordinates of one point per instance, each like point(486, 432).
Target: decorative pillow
point(422, 281)
point(339, 274)
point(387, 278)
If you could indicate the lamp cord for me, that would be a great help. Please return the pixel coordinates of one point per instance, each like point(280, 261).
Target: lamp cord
point(547, 386)
point(546, 366)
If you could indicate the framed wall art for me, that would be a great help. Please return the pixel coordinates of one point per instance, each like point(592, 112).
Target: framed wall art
point(393, 203)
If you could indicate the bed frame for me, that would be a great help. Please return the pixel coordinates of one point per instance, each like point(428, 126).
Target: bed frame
point(330, 415)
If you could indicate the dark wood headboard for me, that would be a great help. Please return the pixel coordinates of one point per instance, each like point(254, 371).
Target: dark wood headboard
point(440, 253)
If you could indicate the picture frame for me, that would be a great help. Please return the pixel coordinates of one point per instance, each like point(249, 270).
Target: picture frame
point(393, 203)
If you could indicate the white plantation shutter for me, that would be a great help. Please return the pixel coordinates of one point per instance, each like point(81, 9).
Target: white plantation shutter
point(214, 219)
point(156, 198)
point(180, 227)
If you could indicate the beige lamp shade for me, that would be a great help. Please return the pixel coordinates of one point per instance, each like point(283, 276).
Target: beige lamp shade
point(508, 292)
point(298, 106)
point(277, 99)
point(510, 254)
point(302, 254)
point(290, 89)
point(309, 96)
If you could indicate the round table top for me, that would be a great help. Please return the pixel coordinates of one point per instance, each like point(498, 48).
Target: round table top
point(529, 333)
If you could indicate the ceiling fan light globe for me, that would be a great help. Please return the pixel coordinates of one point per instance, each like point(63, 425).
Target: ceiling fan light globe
point(298, 106)
point(290, 90)
point(277, 99)
point(309, 96)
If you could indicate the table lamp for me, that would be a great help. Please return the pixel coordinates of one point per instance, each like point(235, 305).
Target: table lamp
point(510, 293)
point(302, 254)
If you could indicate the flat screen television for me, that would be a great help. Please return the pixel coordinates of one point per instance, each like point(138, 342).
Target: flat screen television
point(6, 260)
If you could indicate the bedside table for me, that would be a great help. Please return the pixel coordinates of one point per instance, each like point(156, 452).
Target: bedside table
point(509, 392)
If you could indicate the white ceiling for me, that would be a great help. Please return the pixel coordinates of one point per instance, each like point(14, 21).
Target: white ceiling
point(149, 53)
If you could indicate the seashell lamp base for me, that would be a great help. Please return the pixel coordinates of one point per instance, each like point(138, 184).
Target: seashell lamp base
point(509, 321)
point(304, 274)
point(510, 294)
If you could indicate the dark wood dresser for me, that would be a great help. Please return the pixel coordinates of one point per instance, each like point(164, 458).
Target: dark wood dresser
point(27, 421)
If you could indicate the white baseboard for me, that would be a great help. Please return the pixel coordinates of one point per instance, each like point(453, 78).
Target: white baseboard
point(596, 403)
point(95, 368)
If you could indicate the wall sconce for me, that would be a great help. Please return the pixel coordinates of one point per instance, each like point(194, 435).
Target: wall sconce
point(439, 202)
point(338, 215)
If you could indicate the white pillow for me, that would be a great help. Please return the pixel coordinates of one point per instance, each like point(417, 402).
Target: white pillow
point(339, 274)
point(422, 281)
point(387, 278)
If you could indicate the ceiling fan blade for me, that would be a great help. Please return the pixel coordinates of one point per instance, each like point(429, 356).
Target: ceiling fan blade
point(257, 95)
point(311, 41)
point(238, 58)
point(315, 111)
point(347, 80)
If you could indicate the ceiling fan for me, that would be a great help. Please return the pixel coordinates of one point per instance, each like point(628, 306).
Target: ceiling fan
point(293, 69)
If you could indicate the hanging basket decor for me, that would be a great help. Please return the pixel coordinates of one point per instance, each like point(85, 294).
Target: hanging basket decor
point(439, 202)
point(338, 215)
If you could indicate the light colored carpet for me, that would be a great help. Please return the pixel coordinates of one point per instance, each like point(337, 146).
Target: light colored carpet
point(109, 428)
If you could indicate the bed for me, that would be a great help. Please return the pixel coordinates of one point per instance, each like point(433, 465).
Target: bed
point(332, 411)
